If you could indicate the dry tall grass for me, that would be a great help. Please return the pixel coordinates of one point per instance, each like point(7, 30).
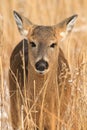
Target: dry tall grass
point(46, 12)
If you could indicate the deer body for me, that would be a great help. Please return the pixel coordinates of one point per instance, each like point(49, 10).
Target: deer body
point(38, 80)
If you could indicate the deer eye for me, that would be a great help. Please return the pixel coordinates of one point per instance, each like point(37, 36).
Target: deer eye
point(32, 44)
point(53, 45)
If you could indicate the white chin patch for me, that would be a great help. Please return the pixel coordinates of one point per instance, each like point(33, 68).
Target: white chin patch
point(41, 72)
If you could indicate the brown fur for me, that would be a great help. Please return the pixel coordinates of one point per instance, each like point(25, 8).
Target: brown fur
point(44, 96)
point(16, 68)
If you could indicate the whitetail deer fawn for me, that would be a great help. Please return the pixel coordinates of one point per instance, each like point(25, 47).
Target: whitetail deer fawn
point(39, 76)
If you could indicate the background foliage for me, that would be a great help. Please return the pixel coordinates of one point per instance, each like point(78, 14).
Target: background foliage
point(46, 12)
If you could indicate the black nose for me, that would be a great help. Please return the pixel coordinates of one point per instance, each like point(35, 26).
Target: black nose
point(41, 65)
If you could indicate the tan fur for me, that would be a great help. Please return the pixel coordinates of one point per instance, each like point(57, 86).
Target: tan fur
point(45, 96)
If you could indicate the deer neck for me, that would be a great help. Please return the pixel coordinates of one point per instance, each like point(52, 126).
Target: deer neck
point(41, 86)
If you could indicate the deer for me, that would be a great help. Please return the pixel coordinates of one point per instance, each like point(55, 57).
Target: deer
point(39, 76)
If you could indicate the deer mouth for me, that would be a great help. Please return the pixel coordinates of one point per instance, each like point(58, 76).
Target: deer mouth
point(42, 72)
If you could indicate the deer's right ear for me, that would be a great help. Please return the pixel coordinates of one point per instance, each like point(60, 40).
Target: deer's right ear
point(23, 24)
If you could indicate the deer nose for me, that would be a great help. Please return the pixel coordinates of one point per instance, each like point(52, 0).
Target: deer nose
point(41, 65)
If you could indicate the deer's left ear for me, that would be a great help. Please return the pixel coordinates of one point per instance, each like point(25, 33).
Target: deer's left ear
point(65, 27)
